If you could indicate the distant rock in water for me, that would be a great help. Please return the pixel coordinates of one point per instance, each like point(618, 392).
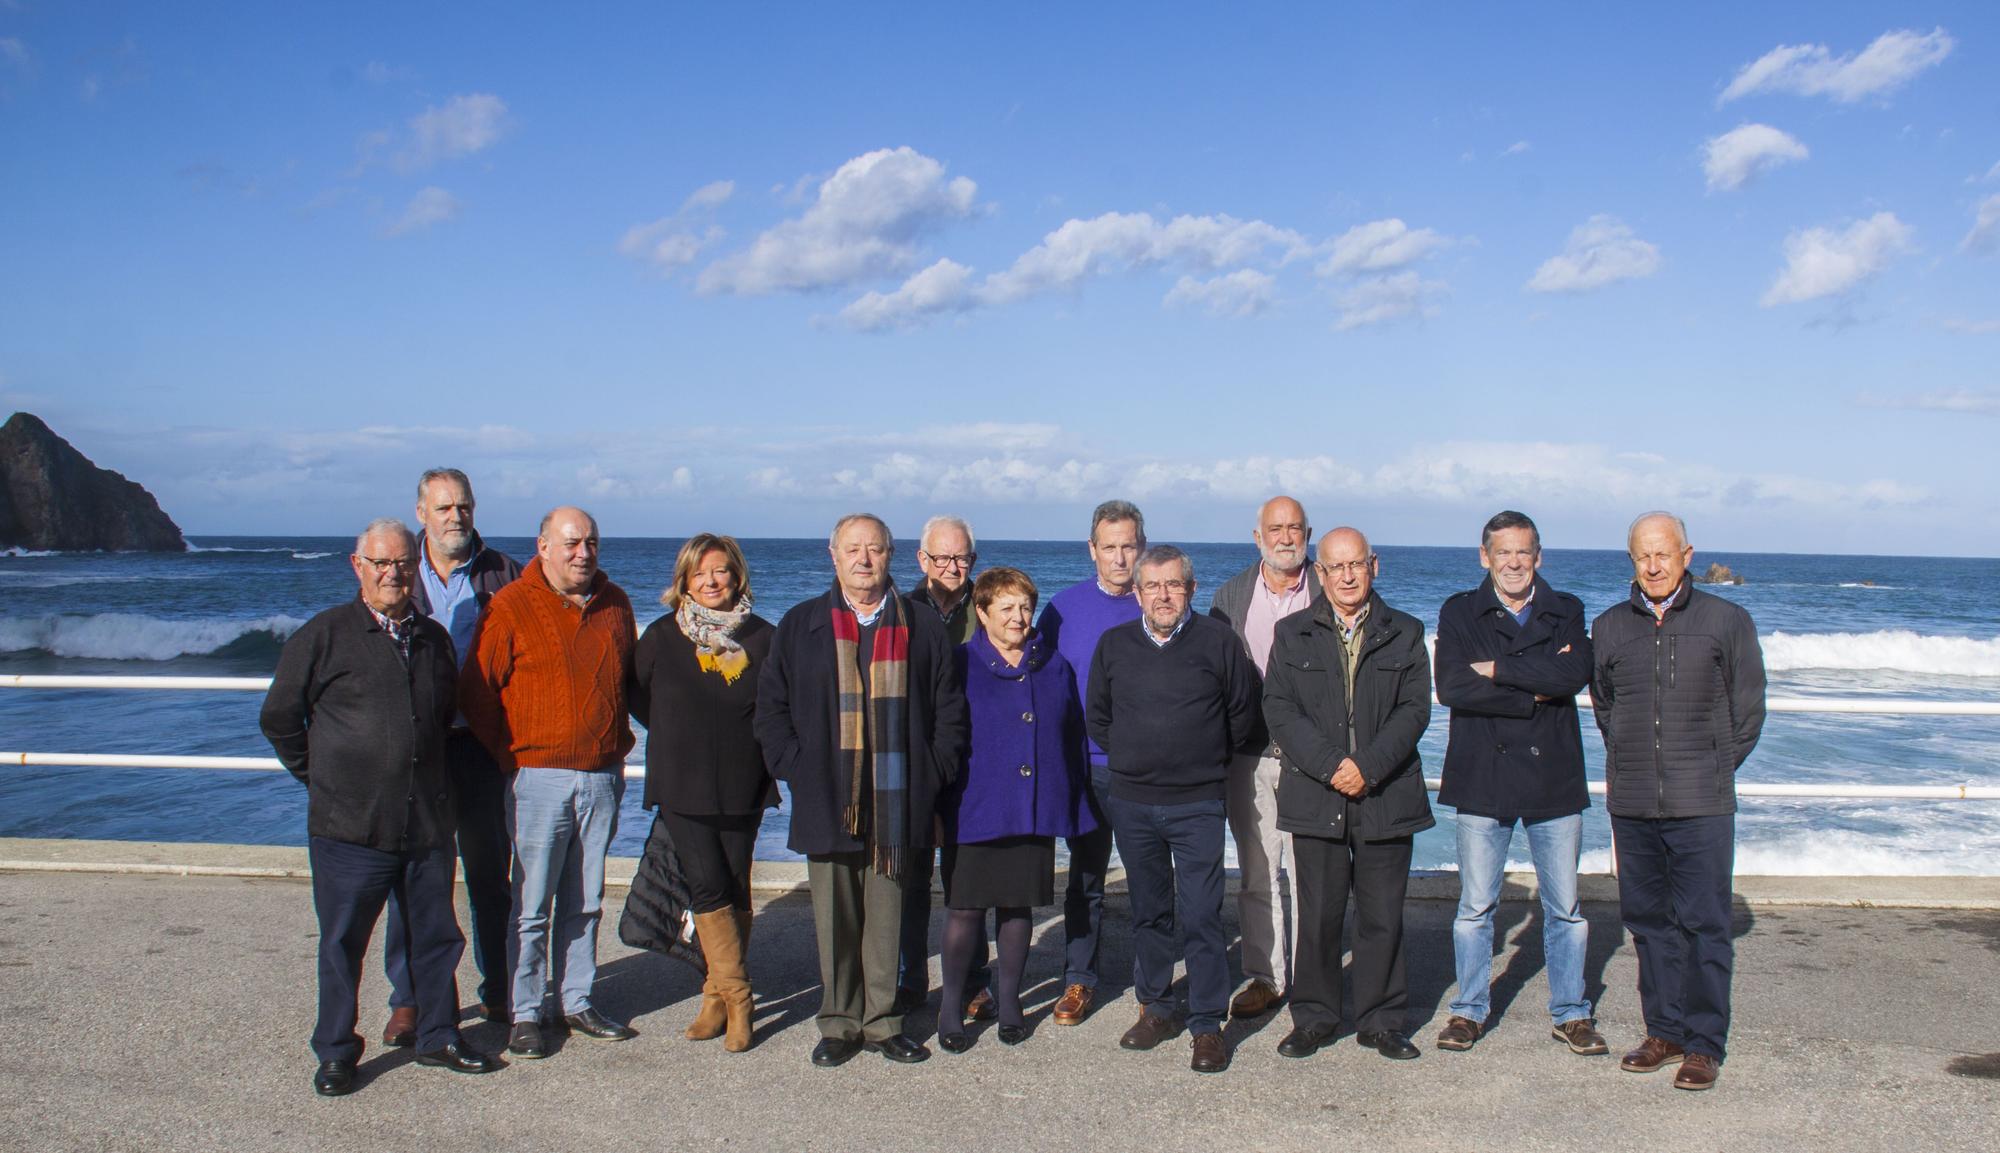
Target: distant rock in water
point(53, 497)
point(1718, 574)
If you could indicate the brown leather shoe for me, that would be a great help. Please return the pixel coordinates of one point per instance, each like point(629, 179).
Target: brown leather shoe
point(1652, 1054)
point(1581, 1036)
point(401, 1031)
point(980, 1008)
point(1074, 1005)
point(1211, 1053)
point(1148, 1032)
point(1698, 1071)
point(1459, 1033)
point(1256, 999)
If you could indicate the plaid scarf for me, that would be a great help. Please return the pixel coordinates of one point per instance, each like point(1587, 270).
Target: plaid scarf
point(874, 729)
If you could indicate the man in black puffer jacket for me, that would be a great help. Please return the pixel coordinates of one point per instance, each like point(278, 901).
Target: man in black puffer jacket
point(1347, 695)
point(1679, 695)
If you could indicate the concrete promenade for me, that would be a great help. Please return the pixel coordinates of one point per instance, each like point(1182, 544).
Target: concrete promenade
point(169, 1011)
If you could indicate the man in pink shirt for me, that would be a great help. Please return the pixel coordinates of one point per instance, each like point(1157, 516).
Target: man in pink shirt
point(1252, 603)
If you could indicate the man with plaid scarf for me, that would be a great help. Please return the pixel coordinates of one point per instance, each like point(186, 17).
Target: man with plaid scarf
point(860, 713)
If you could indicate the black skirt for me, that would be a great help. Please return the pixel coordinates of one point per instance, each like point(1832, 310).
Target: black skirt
point(1010, 873)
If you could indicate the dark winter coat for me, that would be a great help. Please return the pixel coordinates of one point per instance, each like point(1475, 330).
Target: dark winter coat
point(364, 731)
point(1028, 773)
point(490, 570)
point(798, 717)
point(1680, 702)
point(1305, 701)
point(1511, 756)
point(702, 756)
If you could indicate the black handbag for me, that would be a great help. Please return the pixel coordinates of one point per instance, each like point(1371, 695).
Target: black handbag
point(656, 909)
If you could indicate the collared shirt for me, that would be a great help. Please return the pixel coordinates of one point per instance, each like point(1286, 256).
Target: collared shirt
point(1521, 615)
point(1350, 659)
point(454, 603)
point(1146, 627)
point(401, 631)
point(959, 624)
point(1260, 620)
point(869, 619)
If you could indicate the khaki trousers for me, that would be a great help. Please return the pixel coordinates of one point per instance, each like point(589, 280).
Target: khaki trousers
point(858, 917)
point(1262, 853)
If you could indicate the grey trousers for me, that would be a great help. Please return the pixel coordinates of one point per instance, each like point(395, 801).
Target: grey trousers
point(858, 917)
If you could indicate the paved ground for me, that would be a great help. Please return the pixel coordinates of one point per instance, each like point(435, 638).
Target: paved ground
point(155, 1012)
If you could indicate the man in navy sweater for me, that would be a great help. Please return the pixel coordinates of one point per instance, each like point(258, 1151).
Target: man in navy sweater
point(1173, 696)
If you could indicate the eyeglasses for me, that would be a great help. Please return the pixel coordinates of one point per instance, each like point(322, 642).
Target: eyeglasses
point(1155, 588)
point(950, 560)
point(1351, 568)
point(383, 564)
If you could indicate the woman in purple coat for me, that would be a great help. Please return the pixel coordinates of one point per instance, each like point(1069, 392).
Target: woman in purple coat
point(1023, 787)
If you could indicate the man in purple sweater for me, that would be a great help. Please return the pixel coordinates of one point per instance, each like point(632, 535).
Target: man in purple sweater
point(1074, 620)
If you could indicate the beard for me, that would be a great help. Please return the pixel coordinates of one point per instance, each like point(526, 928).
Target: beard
point(455, 543)
point(1285, 560)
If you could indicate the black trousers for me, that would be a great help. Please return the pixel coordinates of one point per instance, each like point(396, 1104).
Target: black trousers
point(1379, 874)
point(715, 855)
point(480, 789)
point(351, 883)
point(1674, 881)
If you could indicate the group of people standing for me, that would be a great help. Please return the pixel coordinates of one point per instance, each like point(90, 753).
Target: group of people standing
point(952, 729)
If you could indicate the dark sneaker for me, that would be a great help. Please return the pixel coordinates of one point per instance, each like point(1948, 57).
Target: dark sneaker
point(1459, 1033)
point(1581, 1036)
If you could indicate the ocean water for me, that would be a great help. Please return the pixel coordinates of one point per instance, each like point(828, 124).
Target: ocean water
point(1831, 626)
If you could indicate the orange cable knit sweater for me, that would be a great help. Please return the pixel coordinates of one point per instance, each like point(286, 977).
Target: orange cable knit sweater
point(545, 683)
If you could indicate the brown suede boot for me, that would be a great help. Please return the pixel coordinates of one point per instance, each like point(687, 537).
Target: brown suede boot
point(732, 978)
point(709, 1023)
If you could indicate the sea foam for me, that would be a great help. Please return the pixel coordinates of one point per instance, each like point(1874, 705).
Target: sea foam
point(1899, 649)
point(131, 637)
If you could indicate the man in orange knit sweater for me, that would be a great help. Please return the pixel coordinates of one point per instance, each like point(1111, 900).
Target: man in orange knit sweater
point(544, 691)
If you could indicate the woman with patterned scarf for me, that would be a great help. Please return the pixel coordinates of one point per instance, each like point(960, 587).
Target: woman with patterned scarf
point(695, 689)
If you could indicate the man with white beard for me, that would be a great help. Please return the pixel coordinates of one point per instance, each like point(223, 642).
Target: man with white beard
point(1252, 603)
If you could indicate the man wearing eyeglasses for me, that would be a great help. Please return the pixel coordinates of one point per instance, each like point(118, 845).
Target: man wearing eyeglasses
point(1252, 602)
point(456, 576)
point(544, 691)
point(358, 711)
point(1678, 691)
point(946, 553)
point(1511, 657)
point(1173, 698)
point(1347, 696)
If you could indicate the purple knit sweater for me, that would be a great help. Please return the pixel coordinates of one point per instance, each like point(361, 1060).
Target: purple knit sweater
point(1073, 620)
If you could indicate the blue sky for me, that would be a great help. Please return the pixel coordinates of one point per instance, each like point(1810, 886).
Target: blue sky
point(747, 267)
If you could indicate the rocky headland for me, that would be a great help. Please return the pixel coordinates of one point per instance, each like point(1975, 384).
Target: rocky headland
point(53, 497)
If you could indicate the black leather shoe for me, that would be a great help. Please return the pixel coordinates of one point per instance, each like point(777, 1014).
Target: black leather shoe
point(954, 1042)
point(1011, 1034)
point(526, 1041)
point(1390, 1044)
point(1305, 1040)
point(334, 1079)
point(901, 1050)
point(459, 1058)
point(592, 1023)
point(833, 1051)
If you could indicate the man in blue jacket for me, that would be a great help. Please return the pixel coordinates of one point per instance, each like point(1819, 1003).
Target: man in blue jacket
point(1511, 656)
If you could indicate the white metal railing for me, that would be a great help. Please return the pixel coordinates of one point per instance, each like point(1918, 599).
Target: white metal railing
point(1879, 706)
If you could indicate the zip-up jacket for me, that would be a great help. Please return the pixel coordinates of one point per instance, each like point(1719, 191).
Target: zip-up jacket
point(1680, 701)
point(1307, 705)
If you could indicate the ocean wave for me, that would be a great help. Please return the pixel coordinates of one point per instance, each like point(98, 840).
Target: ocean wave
point(24, 552)
point(1899, 649)
point(130, 637)
point(311, 555)
point(1868, 585)
point(1845, 853)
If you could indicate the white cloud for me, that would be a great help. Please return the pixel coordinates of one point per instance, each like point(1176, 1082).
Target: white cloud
point(1985, 234)
point(1746, 150)
point(1966, 327)
point(1516, 148)
point(1378, 246)
point(1821, 262)
point(1381, 299)
point(1601, 251)
point(1076, 252)
point(674, 241)
point(1813, 70)
point(1244, 292)
point(429, 206)
point(1966, 401)
point(865, 223)
point(459, 127)
point(944, 287)
point(1992, 173)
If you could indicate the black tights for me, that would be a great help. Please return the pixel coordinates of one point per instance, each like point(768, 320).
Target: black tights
point(961, 934)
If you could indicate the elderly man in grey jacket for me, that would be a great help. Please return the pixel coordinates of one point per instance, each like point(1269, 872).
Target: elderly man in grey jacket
point(1678, 691)
point(1252, 603)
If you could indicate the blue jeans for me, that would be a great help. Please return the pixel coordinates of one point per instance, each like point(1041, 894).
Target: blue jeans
point(1553, 844)
point(1173, 870)
point(561, 822)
